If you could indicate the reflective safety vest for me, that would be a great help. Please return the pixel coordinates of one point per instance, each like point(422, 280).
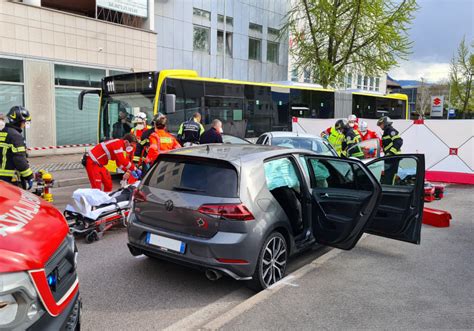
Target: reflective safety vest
point(190, 132)
point(391, 141)
point(335, 139)
point(351, 139)
point(160, 141)
point(13, 154)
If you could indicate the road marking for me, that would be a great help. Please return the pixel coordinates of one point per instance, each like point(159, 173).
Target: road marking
point(241, 308)
point(207, 313)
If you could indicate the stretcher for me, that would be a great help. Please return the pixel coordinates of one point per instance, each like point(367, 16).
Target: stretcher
point(93, 212)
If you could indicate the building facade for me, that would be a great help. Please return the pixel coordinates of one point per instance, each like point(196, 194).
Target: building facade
point(51, 50)
point(191, 36)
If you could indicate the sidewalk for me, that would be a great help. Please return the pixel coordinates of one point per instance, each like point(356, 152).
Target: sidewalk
point(380, 284)
point(67, 170)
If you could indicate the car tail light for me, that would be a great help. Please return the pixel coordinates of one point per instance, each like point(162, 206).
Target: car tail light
point(139, 196)
point(231, 211)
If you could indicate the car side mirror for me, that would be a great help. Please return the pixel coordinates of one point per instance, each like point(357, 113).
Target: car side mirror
point(170, 103)
point(80, 100)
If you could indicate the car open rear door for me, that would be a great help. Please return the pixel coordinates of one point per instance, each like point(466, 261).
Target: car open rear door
point(400, 211)
point(345, 195)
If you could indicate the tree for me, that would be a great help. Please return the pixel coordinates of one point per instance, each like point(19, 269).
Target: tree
point(331, 37)
point(461, 76)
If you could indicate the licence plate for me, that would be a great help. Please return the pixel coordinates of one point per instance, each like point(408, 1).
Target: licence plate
point(166, 243)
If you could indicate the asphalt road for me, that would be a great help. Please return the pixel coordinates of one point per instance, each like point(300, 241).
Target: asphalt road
point(121, 292)
point(380, 284)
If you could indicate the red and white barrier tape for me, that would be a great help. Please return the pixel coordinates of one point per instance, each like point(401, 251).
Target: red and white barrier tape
point(57, 147)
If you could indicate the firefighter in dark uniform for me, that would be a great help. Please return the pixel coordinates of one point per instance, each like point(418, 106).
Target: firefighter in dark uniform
point(190, 131)
point(391, 140)
point(13, 161)
point(351, 138)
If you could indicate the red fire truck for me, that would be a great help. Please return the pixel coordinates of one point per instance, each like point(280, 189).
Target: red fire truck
point(39, 288)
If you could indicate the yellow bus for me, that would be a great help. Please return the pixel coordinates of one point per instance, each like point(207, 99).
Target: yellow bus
point(246, 109)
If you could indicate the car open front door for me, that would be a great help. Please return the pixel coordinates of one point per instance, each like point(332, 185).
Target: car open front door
point(345, 195)
point(400, 211)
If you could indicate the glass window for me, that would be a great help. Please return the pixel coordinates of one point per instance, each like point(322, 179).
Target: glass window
point(359, 82)
point(255, 27)
point(272, 52)
point(366, 83)
point(349, 80)
point(74, 126)
point(117, 72)
point(255, 49)
point(215, 179)
point(372, 84)
point(77, 76)
point(294, 74)
point(201, 38)
point(281, 173)
point(202, 13)
point(338, 174)
point(395, 172)
point(307, 75)
point(229, 20)
point(314, 145)
point(377, 84)
point(11, 70)
point(274, 32)
point(10, 95)
point(220, 43)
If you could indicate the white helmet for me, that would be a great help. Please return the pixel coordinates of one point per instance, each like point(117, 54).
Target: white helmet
point(140, 117)
point(363, 126)
point(351, 119)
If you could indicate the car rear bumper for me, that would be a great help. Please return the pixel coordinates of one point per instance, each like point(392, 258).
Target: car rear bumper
point(201, 253)
point(69, 319)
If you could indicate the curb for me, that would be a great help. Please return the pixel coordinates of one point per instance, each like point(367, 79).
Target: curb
point(71, 182)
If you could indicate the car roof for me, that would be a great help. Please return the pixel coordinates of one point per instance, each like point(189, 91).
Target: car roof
point(235, 152)
point(277, 134)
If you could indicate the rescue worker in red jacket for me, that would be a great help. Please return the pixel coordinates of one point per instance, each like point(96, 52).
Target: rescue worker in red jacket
point(160, 140)
point(111, 150)
point(366, 134)
point(353, 122)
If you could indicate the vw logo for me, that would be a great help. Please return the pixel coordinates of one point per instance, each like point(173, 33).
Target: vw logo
point(169, 205)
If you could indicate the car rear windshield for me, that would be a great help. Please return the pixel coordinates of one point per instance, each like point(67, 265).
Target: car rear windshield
point(217, 179)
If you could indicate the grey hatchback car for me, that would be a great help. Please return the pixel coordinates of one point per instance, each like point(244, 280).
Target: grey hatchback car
point(243, 210)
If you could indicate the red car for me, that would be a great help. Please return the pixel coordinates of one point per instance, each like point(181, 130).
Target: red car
point(39, 288)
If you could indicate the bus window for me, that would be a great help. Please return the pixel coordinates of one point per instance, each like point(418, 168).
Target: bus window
point(322, 104)
point(259, 112)
point(119, 111)
point(281, 118)
point(300, 103)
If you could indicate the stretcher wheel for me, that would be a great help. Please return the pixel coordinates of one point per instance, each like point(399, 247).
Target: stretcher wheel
point(91, 237)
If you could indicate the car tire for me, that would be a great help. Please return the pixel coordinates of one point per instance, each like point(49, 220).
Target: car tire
point(271, 263)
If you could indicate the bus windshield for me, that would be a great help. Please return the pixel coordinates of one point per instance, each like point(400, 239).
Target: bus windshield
point(117, 112)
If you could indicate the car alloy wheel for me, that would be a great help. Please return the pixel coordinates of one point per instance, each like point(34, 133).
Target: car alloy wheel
point(271, 262)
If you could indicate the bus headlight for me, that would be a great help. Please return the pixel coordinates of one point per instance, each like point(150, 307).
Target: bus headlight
point(19, 306)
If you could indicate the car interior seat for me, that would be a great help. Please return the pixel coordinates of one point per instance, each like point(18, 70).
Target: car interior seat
point(289, 201)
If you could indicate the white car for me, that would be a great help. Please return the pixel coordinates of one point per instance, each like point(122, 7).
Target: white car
point(297, 140)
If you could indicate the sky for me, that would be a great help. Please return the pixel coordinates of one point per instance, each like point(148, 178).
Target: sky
point(436, 32)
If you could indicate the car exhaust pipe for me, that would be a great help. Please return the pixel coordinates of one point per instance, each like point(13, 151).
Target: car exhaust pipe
point(213, 275)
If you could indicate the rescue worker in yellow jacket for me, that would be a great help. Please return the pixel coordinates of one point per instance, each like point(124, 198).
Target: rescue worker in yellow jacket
point(334, 137)
point(13, 159)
